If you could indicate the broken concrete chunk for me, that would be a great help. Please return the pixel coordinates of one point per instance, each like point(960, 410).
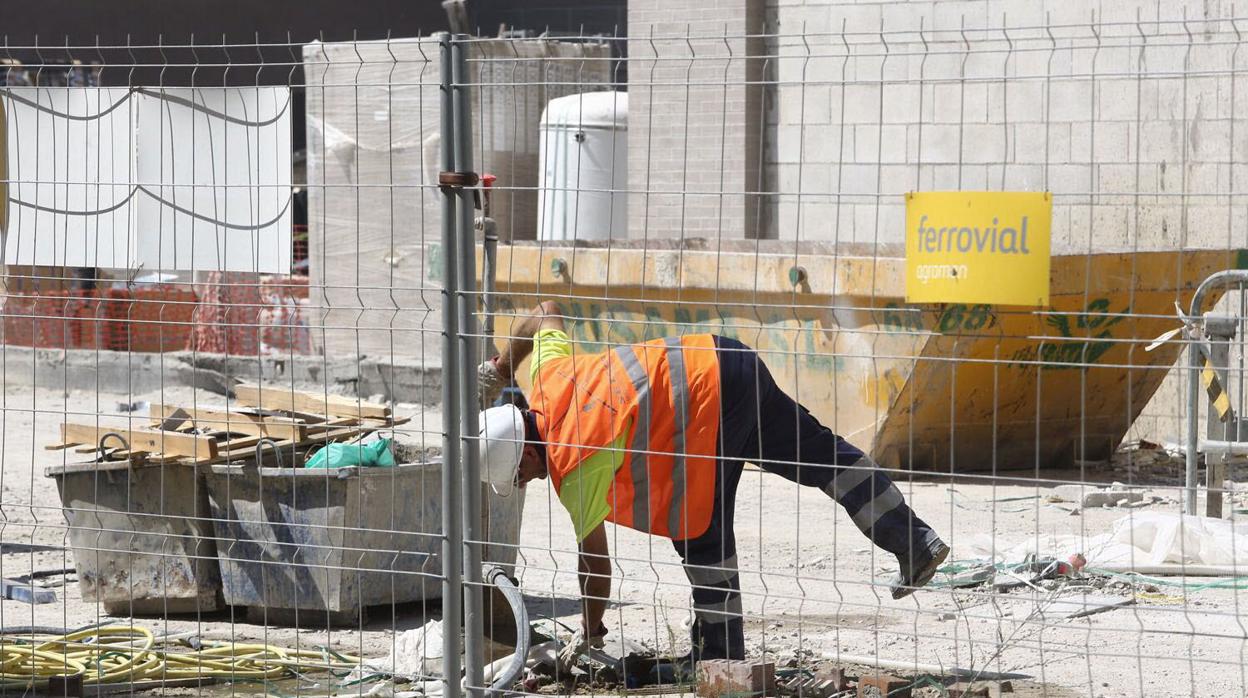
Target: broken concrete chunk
point(1067, 493)
point(1089, 497)
point(26, 593)
point(836, 676)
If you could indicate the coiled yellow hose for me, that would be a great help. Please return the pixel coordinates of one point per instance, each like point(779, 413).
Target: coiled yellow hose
point(125, 653)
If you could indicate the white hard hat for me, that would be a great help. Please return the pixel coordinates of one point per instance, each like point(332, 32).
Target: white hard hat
point(502, 445)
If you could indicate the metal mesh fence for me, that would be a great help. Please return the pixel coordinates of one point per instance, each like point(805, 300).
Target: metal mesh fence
point(251, 303)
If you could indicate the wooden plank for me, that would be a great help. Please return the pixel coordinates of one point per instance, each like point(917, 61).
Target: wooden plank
point(385, 423)
point(279, 398)
point(170, 443)
point(248, 452)
point(315, 430)
point(339, 435)
point(234, 422)
point(235, 445)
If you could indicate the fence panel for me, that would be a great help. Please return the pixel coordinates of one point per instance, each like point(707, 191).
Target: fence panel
point(753, 186)
point(252, 288)
point(237, 442)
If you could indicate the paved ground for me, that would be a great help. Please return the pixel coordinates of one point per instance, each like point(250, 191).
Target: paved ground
point(813, 583)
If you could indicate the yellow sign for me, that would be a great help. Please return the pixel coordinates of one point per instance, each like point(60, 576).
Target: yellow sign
point(978, 247)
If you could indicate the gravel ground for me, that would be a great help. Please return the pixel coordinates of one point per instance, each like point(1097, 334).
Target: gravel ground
point(813, 584)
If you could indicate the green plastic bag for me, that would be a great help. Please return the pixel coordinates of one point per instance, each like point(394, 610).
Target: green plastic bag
point(373, 454)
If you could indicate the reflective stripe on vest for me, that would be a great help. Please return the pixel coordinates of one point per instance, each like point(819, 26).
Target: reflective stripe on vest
point(666, 392)
point(638, 452)
point(680, 399)
point(640, 447)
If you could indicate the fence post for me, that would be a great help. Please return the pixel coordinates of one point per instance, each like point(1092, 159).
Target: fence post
point(474, 650)
point(452, 531)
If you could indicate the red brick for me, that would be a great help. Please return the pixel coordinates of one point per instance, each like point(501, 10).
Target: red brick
point(882, 686)
point(966, 689)
point(719, 676)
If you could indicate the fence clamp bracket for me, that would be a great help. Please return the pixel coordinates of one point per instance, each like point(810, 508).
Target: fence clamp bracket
point(449, 181)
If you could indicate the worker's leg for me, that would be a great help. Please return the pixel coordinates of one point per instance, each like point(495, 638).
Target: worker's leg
point(784, 438)
point(711, 564)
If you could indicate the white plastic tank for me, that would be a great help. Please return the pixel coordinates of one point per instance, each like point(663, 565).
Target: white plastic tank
point(584, 167)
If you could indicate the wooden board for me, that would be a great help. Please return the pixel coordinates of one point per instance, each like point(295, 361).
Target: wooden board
point(247, 451)
point(315, 430)
point(264, 427)
point(169, 443)
point(279, 398)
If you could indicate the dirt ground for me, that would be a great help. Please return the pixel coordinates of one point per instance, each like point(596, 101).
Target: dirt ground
point(814, 588)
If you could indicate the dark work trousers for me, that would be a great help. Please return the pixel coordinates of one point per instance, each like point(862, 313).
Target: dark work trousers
point(761, 424)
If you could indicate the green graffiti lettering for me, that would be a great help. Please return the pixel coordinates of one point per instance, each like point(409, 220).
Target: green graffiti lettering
point(775, 331)
point(687, 323)
point(815, 359)
point(595, 322)
point(618, 331)
point(951, 320)
point(656, 327)
point(891, 320)
point(979, 317)
point(1095, 313)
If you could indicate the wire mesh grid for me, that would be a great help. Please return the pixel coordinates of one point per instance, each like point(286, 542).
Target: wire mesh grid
point(248, 257)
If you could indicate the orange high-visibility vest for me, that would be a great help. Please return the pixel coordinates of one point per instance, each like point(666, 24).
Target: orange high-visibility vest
point(668, 391)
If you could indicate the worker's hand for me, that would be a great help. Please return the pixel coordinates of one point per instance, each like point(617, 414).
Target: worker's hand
point(490, 382)
point(580, 643)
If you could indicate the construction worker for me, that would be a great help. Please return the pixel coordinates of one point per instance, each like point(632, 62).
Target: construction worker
point(654, 436)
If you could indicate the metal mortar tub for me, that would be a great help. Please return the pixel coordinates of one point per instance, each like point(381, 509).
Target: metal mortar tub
point(142, 537)
point(300, 546)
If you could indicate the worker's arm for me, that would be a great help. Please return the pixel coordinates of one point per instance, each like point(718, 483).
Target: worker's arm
point(545, 316)
point(594, 574)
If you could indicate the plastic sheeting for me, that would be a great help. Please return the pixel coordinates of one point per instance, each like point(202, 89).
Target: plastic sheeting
point(1137, 540)
point(374, 212)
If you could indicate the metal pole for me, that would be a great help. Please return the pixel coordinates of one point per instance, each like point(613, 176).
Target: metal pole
point(453, 540)
point(489, 270)
point(1193, 414)
point(1219, 333)
point(474, 650)
point(1239, 276)
point(489, 267)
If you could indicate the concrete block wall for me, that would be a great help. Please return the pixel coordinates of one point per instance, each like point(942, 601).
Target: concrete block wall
point(693, 124)
point(1135, 118)
point(1131, 130)
point(818, 135)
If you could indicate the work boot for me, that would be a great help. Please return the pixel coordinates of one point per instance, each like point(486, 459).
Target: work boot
point(717, 640)
point(918, 570)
